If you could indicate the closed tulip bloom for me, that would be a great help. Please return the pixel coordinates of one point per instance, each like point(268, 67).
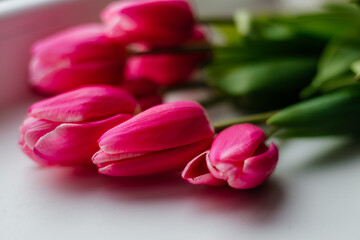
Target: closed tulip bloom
point(162, 138)
point(146, 93)
point(63, 130)
point(238, 157)
point(79, 56)
point(169, 69)
point(159, 23)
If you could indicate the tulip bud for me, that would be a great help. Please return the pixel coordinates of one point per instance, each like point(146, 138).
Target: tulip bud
point(238, 157)
point(79, 56)
point(159, 23)
point(162, 138)
point(168, 69)
point(146, 93)
point(63, 130)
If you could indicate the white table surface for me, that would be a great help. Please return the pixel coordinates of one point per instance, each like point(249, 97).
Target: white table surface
point(313, 194)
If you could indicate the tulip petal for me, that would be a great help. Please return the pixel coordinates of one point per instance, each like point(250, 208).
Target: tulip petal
point(29, 152)
point(62, 76)
point(74, 143)
point(249, 173)
point(85, 56)
point(156, 162)
point(85, 104)
point(196, 172)
point(31, 131)
point(158, 23)
point(161, 127)
point(236, 143)
point(163, 69)
point(168, 69)
point(25, 127)
point(38, 129)
point(102, 158)
point(78, 44)
point(263, 163)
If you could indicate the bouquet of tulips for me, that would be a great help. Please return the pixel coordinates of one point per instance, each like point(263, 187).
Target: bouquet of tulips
point(296, 75)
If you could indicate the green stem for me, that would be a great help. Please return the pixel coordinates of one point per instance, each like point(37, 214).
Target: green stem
point(256, 118)
point(197, 48)
point(216, 21)
point(271, 131)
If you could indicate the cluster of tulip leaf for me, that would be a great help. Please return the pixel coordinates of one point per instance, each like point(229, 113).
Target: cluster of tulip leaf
point(307, 65)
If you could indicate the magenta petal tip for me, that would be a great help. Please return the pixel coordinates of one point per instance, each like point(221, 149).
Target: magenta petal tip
point(196, 172)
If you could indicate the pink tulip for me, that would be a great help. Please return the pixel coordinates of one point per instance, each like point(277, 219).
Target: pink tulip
point(162, 138)
point(160, 23)
point(168, 69)
point(147, 93)
point(63, 130)
point(238, 157)
point(79, 56)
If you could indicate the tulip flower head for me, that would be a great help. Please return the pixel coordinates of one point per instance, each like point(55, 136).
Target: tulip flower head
point(79, 56)
point(162, 138)
point(159, 23)
point(63, 130)
point(169, 69)
point(237, 157)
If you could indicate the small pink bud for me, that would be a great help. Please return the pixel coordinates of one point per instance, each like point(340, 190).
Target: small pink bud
point(78, 56)
point(147, 93)
point(159, 23)
point(168, 69)
point(63, 130)
point(238, 157)
point(162, 138)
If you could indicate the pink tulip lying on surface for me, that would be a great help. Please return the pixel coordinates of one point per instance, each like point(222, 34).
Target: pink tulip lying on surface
point(79, 56)
point(168, 69)
point(162, 138)
point(238, 157)
point(63, 130)
point(160, 23)
point(146, 93)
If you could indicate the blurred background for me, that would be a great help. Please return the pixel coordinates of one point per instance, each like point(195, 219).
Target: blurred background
point(22, 22)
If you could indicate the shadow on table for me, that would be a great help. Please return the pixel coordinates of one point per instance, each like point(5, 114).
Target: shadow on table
point(258, 204)
point(344, 153)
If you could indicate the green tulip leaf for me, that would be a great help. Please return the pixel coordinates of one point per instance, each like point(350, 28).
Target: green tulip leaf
point(337, 112)
point(336, 60)
point(266, 84)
